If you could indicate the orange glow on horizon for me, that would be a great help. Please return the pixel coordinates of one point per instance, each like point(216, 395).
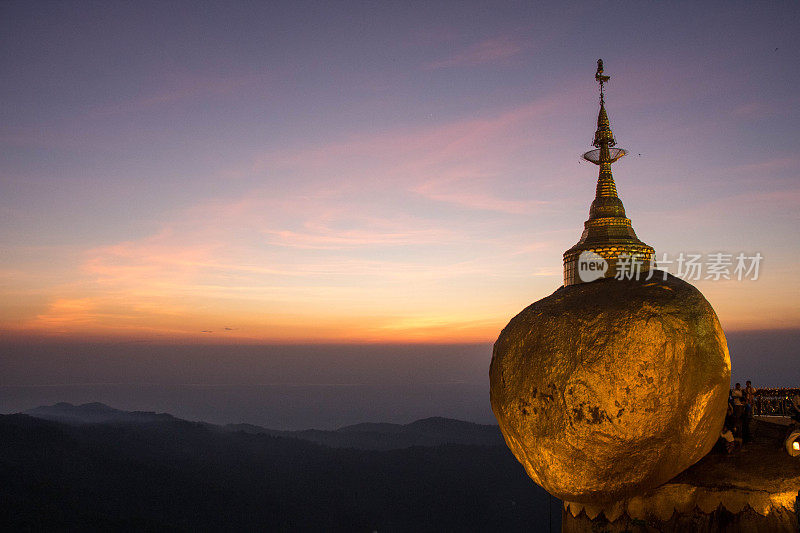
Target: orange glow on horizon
point(278, 334)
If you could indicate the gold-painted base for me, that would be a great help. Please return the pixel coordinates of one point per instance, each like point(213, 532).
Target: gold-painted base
point(754, 489)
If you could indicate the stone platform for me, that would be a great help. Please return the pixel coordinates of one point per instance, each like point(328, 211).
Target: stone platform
point(755, 489)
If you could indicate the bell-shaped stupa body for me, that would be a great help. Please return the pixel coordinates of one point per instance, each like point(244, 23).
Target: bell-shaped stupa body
point(608, 232)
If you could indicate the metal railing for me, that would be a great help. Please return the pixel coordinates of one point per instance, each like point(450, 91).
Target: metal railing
point(774, 401)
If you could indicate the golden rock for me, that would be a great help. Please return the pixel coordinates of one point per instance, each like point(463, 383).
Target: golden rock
point(609, 388)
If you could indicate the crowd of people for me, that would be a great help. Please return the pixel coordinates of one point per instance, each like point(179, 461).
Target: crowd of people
point(736, 431)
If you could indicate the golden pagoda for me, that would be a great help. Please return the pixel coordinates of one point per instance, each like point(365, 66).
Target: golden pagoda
point(576, 377)
point(608, 232)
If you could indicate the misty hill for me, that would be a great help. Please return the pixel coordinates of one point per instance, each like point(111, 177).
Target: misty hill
point(370, 436)
point(367, 436)
point(95, 413)
point(179, 476)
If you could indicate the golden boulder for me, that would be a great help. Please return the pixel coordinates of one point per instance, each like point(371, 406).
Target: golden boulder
point(605, 389)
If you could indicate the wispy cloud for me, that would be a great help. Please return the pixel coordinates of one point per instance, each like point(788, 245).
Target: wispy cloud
point(323, 237)
point(492, 50)
point(205, 272)
point(348, 244)
point(178, 88)
point(473, 192)
point(769, 166)
point(750, 110)
point(462, 162)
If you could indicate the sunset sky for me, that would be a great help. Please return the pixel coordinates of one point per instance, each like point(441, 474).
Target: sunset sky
point(378, 171)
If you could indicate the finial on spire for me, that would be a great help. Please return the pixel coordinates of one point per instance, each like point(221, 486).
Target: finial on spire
point(600, 78)
point(603, 137)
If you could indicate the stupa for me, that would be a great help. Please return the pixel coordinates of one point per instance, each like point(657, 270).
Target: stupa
point(608, 233)
point(618, 381)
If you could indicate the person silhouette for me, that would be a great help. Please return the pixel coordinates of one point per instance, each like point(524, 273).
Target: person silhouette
point(737, 395)
point(749, 394)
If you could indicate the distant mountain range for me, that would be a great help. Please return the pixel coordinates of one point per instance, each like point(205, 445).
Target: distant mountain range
point(433, 431)
point(95, 413)
point(94, 468)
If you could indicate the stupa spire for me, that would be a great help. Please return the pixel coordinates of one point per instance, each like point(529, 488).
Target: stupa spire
point(603, 135)
point(607, 202)
point(608, 232)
